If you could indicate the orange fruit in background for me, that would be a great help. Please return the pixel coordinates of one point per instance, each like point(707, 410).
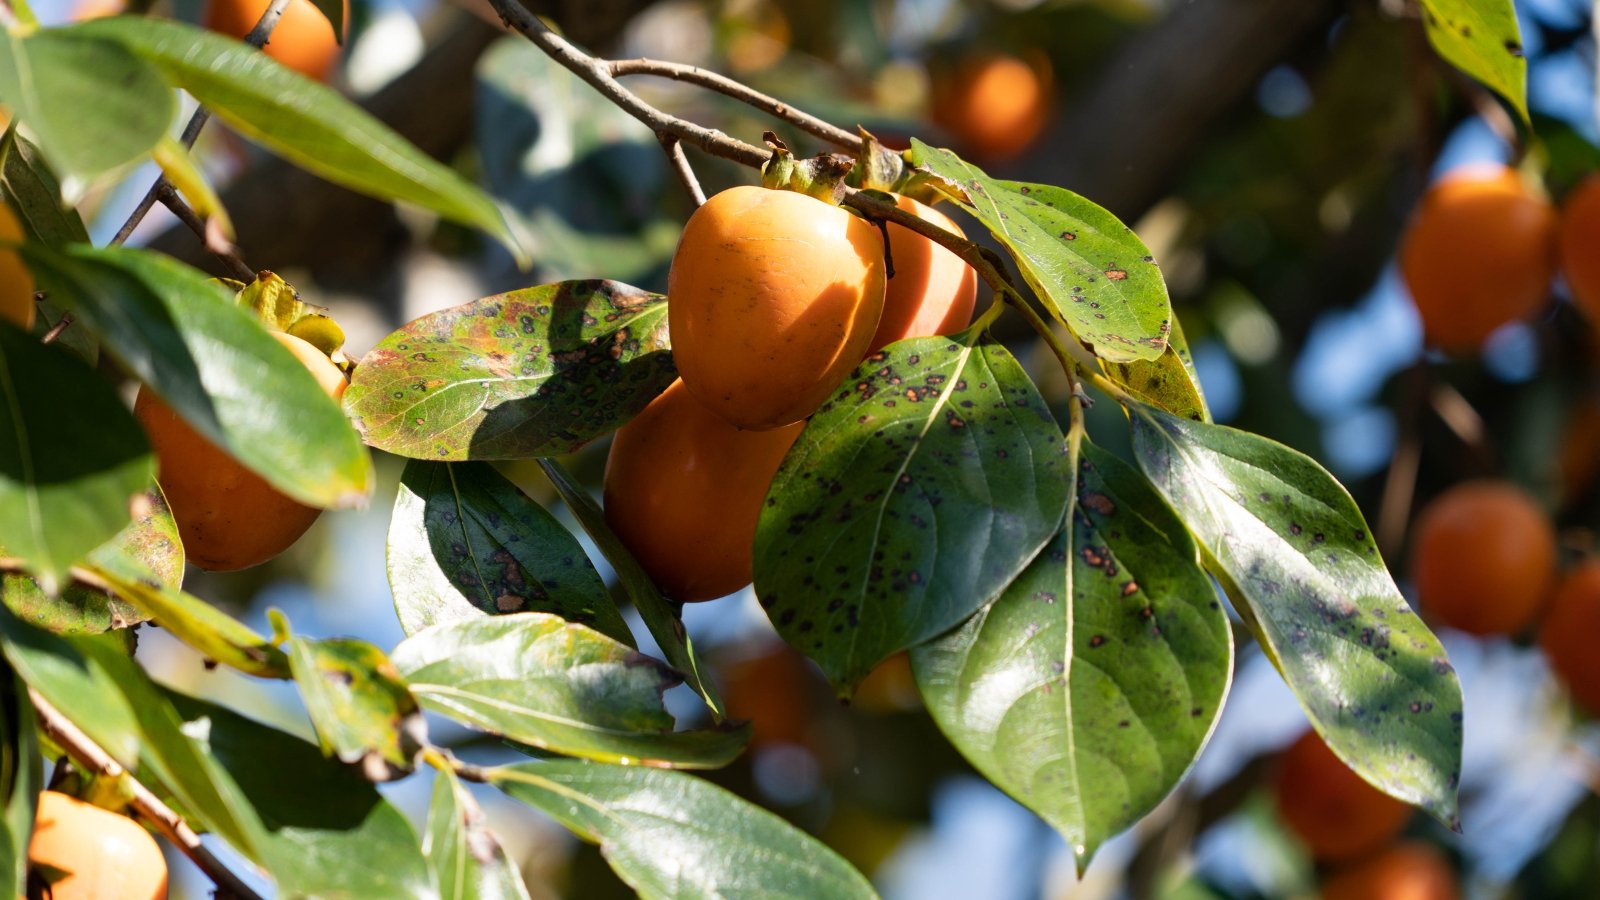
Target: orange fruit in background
point(303, 40)
point(774, 688)
point(1579, 245)
point(773, 297)
point(683, 490)
point(888, 688)
point(228, 517)
point(1569, 630)
point(16, 282)
point(1410, 870)
point(994, 105)
point(1334, 811)
point(97, 9)
point(1483, 555)
point(1480, 252)
point(932, 291)
point(104, 855)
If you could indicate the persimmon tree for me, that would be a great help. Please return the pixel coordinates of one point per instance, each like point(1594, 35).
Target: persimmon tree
point(1066, 610)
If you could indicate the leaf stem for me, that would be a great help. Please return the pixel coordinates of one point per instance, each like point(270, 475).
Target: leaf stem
point(86, 753)
point(168, 195)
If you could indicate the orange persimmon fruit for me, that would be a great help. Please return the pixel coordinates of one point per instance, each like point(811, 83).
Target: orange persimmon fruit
point(683, 490)
point(932, 290)
point(16, 282)
point(1334, 811)
point(773, 297)
point(1567, 633)
point(995, 105)
point(1483, 555)
point(98, 854)
point(1409, 870)
point(303, 39)
point(228, 517)
point(1579, 245)
point(1480, 252)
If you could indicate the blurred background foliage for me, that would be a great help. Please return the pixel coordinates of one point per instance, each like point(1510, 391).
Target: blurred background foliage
point(1268, 152)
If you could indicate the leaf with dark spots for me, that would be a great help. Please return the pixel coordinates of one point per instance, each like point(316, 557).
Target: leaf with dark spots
point(465, 542)
point(358, 703)
point(959, 521)
point(1091, 271)
point(1169, 381)
point(1041, 695)
point(540, 680)
point(535, 372)
point(1482, 39)
point(150, 542)
point(1319, 601)
point(467, 859)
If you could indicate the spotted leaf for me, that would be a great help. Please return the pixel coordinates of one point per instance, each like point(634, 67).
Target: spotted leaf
point(1092, 272)
point(1168, 381)
point(358, 703)
point(467, 859)
point(1482, 39)
point(1088, 688)
point(464, 542)
point(1300, 565)
point(912, 498)
point(536, 372)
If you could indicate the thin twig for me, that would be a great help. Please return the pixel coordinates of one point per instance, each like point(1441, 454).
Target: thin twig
point(598, 74)
point(722, 84)
point(89, 755)
point(680, 165)
point(169, 198)
point(1400, 486)
point(257, 38)
point(56, 329)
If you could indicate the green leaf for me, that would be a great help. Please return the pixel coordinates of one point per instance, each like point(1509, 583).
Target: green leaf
point(467, 860)
point(92, 105)
point(1300, 565)
point(31, 191)
point(328, 833)
point(359, 704)
point(1091, 271)
point(221, 371)
point(72, 457)
point(911, 499)
point(671, 835)
point(306, 123)
point(536, 372)
point(1482, 39)
point(1088, 688)
point(94, 683)
point(218, 636)
point(660, 616)
point(21, 780)
point(465, 542)
point(1168, 382)
point(150, 542)
point(540, 680)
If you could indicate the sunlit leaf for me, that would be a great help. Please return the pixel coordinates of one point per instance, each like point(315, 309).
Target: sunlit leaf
point(358, 703)
point(467, 859)
point(1482, 39)
point(671, 835)
point(1169, 381)
point(1300, 565)
point(911, 499)
point(536, 372)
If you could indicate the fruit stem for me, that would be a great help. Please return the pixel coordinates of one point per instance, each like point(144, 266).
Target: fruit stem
point(92, 758)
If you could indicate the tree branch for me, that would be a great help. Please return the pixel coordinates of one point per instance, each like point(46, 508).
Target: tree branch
point(191, 132)
point(169, 198)
point(680, 165)
point(86, 753)
point(722, 84)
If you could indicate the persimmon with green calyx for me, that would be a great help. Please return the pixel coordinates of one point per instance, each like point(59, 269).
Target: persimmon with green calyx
point(1480, 252)
point(773, 297)
point(1483, 555)
point(1568, 630)
point(87, 853)
point(16, 282)
point(228, 517)
point(932, 290)
point(683, 490)
point(1336, 814)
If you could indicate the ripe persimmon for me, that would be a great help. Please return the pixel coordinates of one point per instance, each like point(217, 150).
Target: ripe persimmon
point(1410, 870)
point(773, 297)
point(994, 105)
point(98, 854)
point(1568, 630)
point(1483, 555)
point(303, 40)
point(16, 282)
point(683, 490)
point(775, 689)
point(1334, 811)
point(228, 517)
point(1579, 245)
point(932, 291)
point(1480, 252)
